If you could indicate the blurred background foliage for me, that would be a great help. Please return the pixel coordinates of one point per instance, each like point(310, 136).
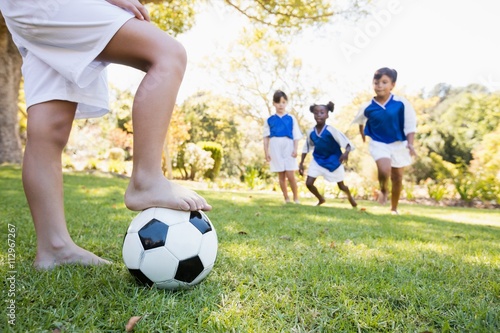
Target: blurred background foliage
point(217, 138)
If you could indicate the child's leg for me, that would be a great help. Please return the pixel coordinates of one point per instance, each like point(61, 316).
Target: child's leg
point(290, 174)
point(397, 187)
point(49, 126)
point(384, 173)
point(142, 45)
point(345, 189)
point(283, 187)
point(314, 190)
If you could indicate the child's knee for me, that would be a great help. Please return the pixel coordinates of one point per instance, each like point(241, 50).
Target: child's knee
point(173, 59)
point(396, 177)
point(343, 187)
point(55, 131)
point(310, 183)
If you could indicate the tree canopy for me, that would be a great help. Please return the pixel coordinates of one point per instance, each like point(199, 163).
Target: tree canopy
point(175, 17)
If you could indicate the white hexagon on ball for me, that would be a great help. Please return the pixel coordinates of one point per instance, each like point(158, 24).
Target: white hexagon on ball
point(132, 251)
point(159, 264)
point(183, 240)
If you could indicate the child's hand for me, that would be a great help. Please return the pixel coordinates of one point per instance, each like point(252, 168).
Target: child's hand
point(133, 6)
point(294, 153)
point(301, 169)
point(344, 157)
point(268, 158)
point(412, 150)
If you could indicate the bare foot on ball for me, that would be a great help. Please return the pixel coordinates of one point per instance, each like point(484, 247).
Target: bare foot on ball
point(162, 192)
point(73, 254)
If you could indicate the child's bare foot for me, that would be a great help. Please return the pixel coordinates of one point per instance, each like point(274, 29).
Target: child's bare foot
point(381, 197)
point(69, 255)
point(163, 193)
point(321, 201)
point(353, 202)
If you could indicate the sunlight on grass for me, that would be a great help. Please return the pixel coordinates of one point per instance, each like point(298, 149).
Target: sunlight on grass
point(98, 192)
point(418, 248)
point(489, 217)
point(244, 251)
point(363, 253)
point(467, 218)
point(280, 268)
point(482, 259)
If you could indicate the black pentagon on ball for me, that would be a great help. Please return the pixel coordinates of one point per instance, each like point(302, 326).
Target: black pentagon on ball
point(153, 234)
point(200, 222)
point(189, 269)
point(140, 277)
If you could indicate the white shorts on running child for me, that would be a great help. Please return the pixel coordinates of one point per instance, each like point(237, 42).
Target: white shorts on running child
point(315, 170)
point(397, 152)
point(59, 42)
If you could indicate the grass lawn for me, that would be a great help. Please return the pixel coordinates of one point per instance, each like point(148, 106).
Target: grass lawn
point(280, 268)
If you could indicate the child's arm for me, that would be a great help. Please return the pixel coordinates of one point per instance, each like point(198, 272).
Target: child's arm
point(360, 119)
point(297, 134)
point(308, 145)
point(301, 164)
point(345, 156)
point(295, 147)
point(266, 148)
point(362, 132)
point(343, 142)
point(266, 134)
point(410, 137)
point(410, 125)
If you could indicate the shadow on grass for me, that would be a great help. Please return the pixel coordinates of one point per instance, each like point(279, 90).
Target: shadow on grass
point(278, 264)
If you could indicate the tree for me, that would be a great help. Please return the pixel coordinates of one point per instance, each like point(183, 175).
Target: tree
point(487, 154)
point(259, 64)
point(213, 118)
point(294, 15)
point(176, 16)
point(10, 79)
point(178, 134)
point(458, 122)
point(193, 161)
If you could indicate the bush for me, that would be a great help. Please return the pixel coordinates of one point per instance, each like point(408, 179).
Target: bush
point(192, 159)
point(436, 189)
point(251, 178)
point(217, 153)
point(487, 187)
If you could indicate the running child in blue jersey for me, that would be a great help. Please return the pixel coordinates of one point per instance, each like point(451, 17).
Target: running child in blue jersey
point(281, 139)
point(327, 143)
point(390, 122)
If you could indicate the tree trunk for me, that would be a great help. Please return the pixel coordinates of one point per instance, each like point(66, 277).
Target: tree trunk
point(10, 78)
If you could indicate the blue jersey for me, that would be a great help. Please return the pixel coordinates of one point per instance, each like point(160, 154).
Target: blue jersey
point(327, 146)
point(387, 123)
point(282, 126)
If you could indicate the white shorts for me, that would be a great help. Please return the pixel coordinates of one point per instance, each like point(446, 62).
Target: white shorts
point(281, 149)
point(59, 41)
point(397, 152)
point(315, 170)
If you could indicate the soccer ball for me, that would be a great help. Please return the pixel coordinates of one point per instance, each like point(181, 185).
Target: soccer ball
point(170, 249)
